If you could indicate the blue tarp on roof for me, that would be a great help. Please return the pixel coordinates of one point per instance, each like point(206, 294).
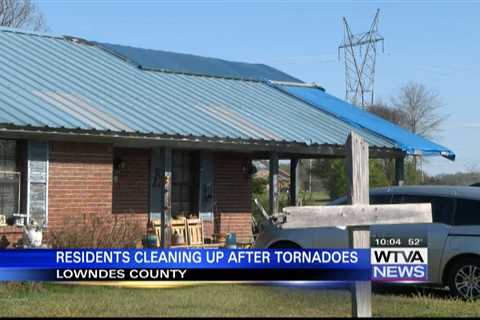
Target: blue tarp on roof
point(192, 64)
point(402, 138)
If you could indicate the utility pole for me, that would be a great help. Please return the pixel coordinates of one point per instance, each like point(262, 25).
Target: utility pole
point(360, 52)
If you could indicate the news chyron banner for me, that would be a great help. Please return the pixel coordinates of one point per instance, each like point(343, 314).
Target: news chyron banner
point(185, 264)
point(399, 259)
point(391, 259)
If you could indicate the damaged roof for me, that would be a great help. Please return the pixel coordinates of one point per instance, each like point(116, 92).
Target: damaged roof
point(60, 82)
point(160, 60)
point(57, 82)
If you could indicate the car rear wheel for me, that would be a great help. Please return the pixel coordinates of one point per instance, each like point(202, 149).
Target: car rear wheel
point(284, 245)
point(464, 278)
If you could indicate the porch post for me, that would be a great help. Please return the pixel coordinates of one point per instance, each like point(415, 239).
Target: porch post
point(206, 193)
point(399, 171)
point(273, 183)
point(359, 236)
point(167, 209)
point(294, 181)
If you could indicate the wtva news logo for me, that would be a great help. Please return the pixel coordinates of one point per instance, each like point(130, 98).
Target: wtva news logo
point(399, 264)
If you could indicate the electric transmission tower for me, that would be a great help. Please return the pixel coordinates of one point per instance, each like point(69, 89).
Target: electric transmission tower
point(360, 51)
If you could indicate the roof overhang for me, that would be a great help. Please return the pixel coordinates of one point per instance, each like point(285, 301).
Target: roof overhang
point(259, 148)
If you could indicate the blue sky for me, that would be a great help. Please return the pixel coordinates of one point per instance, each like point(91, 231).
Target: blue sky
point(436, 43)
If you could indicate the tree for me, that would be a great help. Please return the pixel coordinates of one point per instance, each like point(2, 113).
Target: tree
point(259, 185)
point(466, 178)
point(335, 177)
point(419, 108)
point(386, 112)
point(21, 14)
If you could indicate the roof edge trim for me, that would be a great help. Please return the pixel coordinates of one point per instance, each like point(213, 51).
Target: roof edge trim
point(31, 33)
point(255, 145)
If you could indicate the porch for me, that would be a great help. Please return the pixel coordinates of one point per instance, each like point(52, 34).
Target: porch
point(218, 199)
point(175, 185)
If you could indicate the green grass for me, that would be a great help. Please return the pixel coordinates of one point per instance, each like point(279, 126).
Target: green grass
point(214, 300)
point(314, 198)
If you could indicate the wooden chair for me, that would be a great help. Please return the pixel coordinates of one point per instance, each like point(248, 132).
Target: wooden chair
point(157, 225)
point(195, 232)
point(179, 226)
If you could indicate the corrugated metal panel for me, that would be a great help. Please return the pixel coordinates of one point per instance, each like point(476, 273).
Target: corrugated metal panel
point(188, 63)
point(46, 81)
point(404, 139)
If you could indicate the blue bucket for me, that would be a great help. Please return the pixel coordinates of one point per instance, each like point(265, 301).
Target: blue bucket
point(231, 241)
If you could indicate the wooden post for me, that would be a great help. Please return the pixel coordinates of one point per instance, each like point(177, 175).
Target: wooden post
point(167, 208)
point(273, 184)
point(358, 216)
point(400, 171)
point(359, 236)
point(294, 181)
point(156, 183)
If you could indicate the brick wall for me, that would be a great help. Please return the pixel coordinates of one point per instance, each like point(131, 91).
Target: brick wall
point(80, 182)
point(81, 185)
point(131, 184)
point(233, 196)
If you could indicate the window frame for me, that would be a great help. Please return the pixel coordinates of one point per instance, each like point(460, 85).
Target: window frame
point(454, 223)
point(386, 195)
point(17, 172)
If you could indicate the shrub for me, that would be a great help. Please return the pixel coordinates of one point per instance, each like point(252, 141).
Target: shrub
point(96, 231)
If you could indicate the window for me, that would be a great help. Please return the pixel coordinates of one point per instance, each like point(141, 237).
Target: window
point(442, 208)
point(467, 212)
point(381, 199)
point(182, 183)
point(9, 178)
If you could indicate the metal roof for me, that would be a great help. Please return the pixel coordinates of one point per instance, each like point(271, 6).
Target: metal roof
point(402, 138)
point(53, 82)
point(192, 64)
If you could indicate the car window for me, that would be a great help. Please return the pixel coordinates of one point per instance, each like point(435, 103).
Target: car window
point(467, 212)
point(442, 208)
point(339, 202)
point(374, 199)
point(381, 199)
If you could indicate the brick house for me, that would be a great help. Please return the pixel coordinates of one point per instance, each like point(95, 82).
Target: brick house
point(90, 128)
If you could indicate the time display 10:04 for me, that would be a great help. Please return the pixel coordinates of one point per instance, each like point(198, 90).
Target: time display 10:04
point(398, 242)
point(387, 242)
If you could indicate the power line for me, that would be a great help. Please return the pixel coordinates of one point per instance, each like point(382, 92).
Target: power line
point(360, 52)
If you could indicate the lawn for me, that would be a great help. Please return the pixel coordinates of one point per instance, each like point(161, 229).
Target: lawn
point(216, 300)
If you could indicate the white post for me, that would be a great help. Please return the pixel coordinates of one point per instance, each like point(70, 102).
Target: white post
point(273, 184)
point(167, 202)
point(357, 216)
point(359, 236)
